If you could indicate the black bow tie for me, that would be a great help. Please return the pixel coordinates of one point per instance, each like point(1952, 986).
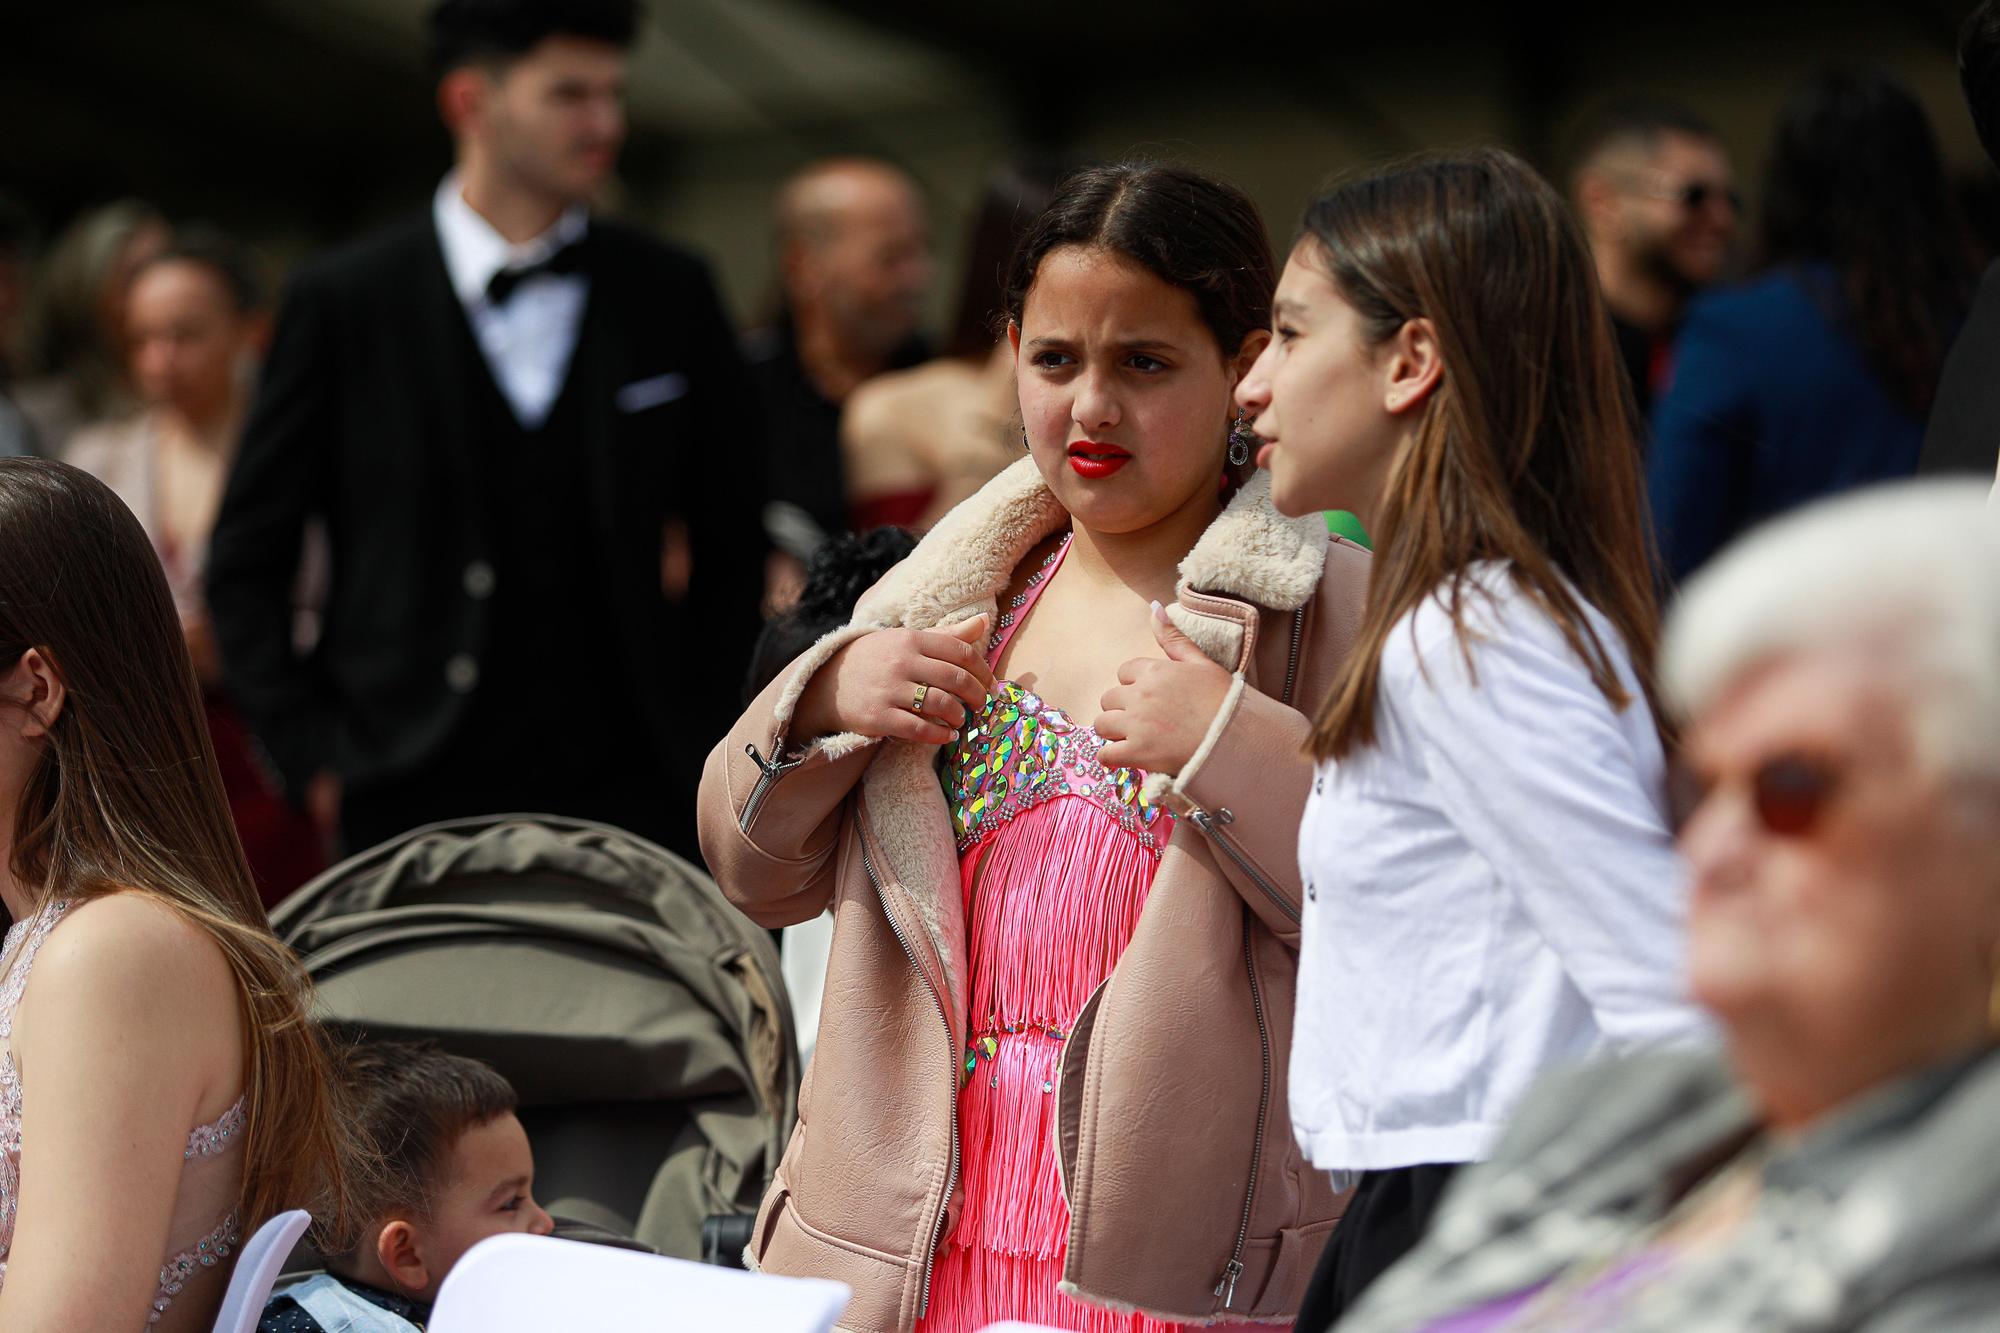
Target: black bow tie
point(500, 287)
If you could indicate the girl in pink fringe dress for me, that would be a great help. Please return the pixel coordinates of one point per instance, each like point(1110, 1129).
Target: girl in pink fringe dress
point(1141, 606)
point(1056, 853)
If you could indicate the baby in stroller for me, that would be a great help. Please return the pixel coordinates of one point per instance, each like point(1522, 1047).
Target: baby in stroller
point(452, 1167)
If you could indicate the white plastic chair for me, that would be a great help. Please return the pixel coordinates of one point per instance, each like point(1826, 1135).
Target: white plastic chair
point(258, 1262)
point(538, 1284)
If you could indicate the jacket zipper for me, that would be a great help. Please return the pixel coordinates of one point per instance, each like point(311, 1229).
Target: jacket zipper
point(951, 1181)
point(770, 771)
point(1292, 662)
point(1212, 824)
point(1226, 1286)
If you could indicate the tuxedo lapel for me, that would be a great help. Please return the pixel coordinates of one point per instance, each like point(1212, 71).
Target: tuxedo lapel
point(590, 378)
point(461, 368)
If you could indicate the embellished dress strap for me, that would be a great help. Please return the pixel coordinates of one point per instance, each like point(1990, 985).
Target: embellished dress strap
point(1016, 610)
point(17, 957)
point(26, 937)
point(204, 1142)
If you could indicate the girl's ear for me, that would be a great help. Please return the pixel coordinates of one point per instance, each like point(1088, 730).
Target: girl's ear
point(1254, 343)
point(35, 686)
point(1412, 367)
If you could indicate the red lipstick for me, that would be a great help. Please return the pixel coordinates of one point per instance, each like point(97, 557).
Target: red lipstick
point(1095, 461)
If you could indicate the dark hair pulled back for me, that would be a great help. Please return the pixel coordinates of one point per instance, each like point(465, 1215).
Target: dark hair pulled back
point(1856, 181)
point(1188, 229)
point(223, 256)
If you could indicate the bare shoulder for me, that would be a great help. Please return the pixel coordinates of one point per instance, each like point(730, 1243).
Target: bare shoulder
point(892, 402)
point(133, 1007)
point(131, 948)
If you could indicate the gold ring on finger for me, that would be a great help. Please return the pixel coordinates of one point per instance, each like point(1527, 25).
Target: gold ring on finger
point(917, 704)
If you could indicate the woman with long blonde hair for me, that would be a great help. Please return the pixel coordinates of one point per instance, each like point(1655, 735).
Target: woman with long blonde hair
point(161, 1092)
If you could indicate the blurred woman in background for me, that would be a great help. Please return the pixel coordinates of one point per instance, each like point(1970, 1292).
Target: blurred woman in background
point(76, 346)
point(1817, 375)
point(197, 325)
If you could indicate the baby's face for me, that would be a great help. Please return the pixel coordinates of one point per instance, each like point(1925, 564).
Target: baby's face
point(489, 1190)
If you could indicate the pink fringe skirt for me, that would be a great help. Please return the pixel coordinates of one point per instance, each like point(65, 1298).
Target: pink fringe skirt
point(1051, 899)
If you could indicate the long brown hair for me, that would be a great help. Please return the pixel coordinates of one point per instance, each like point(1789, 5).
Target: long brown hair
point(1524, 451)
point(127, 798)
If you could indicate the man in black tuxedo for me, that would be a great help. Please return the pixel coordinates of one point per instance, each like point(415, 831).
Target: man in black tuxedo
point(1964, 430)
point(520, 428)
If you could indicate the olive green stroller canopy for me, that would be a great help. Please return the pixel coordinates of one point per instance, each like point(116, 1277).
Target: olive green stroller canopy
point(641, 1018)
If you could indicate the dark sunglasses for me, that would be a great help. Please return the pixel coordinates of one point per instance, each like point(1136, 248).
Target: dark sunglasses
point(1790, 793)
point(1694, 196)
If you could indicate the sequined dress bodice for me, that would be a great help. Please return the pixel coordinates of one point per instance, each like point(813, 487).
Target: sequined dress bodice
point(1020, 752)
point(205, 1144)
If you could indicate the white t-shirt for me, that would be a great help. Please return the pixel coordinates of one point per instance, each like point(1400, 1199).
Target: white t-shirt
point(1491, 889)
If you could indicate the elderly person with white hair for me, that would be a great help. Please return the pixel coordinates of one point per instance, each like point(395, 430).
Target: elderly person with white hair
point(1836, 1165)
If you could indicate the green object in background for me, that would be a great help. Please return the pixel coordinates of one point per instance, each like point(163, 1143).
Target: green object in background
point(1343, 524)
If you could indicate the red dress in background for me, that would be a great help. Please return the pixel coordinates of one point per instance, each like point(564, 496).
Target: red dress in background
point(282, 846)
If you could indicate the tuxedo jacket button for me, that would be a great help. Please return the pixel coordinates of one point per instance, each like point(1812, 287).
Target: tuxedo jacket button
point(479, 580)
point(461, 673)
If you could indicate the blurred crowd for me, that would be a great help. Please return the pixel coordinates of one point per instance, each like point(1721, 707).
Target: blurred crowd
point(496, 510)
point(1768, 367)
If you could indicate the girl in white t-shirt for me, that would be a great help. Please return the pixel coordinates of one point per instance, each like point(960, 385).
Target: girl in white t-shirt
point(1490, 881)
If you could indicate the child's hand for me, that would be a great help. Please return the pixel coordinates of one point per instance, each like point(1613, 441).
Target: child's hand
point(872, 686)
point(1158, 713)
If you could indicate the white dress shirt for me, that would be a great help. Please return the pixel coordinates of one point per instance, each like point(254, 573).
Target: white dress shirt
point(1491, 889)
point(528, 341)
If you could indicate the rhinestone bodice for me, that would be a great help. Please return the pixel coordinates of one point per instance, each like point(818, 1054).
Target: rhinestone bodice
point(1020, 752)
point(205, 1143)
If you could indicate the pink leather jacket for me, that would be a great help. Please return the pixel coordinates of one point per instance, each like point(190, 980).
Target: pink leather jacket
point(1188, 1197)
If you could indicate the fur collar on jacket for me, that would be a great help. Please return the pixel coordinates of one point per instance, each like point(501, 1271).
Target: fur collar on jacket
point(959, 569)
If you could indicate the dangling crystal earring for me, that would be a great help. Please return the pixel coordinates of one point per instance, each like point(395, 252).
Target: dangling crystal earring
point(1240, 436)
point(1024, 440)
